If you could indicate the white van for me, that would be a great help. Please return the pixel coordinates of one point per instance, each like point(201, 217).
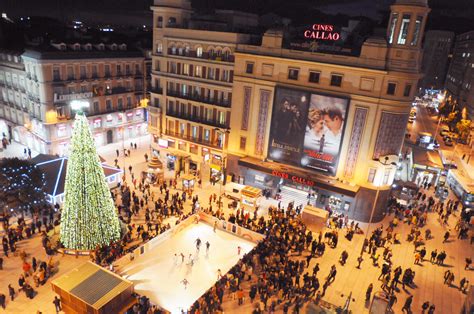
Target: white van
point(233, 190)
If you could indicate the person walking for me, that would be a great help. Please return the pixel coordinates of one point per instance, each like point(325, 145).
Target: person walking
point(407, 306)
point(446, 237)
point(392, 299)
point(369, 292)
point(2, 300)
point(57, 304)
point(117, 152)
point(11, 292)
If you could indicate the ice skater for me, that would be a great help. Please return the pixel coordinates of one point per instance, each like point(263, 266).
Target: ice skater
point(219, 274)
point(198, 243)
point(207, 247)
point(185, 283)
point(238, 250)
point(215, 226)
point(182, 258)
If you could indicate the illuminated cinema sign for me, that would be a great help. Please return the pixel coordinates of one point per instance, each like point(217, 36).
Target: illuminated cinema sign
point(323, 32)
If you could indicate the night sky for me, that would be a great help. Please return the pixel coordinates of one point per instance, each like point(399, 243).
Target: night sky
point(454, 15)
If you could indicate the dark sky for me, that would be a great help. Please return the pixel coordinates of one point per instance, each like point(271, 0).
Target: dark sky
point(456, 15)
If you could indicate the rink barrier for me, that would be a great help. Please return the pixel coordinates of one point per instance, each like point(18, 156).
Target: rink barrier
point(150, 245)
point(234, 229)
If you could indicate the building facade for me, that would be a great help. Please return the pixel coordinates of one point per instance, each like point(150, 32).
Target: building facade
point(436, 50)
point(324, 123)
point(460, 78)
point(109, 77)
point(191, 93)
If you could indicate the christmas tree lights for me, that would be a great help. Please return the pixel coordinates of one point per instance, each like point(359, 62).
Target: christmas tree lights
point(89, 218)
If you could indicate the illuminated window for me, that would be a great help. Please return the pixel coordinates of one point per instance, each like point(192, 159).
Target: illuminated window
point(416, 33)
point(199, 52)
point(392, 27)
point(372, 172)
point(402, 35)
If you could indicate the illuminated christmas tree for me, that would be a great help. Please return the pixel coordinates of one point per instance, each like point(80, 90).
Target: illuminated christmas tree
point(89, 217)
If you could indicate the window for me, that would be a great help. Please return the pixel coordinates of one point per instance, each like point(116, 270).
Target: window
point(198, 71)
point(127, 69)
point(120, 103)
point(372, 172)
point(243, 142)
point(186, 69)
point(182, 127)
point(96, 106)
point(56, 74)
point(391, 88)
point(159, 48)
point(207, 135)
point(119, 69)
point(293, 74)
point(97, 123)
point(129, 101)
point(94, 70)
point(386, 175)
point(336, 80)
point(416, 33)
point(403, 34)
point(313, 77)
point(159, 23)
point(194, 131)
point(249, 67)
point(83, 71)
point(107, 70)
point(108, 105)
point(407, 90)
point(70, 73)
point(392, 27)
point(199, 52)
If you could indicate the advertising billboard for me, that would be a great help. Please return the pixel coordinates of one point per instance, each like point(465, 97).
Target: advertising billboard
point(307, 129)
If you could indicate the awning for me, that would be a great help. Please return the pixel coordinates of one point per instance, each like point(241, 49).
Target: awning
point(427, 158)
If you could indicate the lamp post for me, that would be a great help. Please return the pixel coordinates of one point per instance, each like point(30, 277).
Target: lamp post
point(224, 132)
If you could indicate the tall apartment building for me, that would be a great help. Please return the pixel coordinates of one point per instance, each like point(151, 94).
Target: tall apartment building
point(436, 49)
point(36, 95)
point(192, 76)
point(460, 78)
point(325, 123)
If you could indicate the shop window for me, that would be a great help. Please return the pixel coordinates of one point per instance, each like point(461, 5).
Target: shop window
point(249, 67)
point(293, 74)
point(391, 88)
point(313, 77)
point(372, 172)
point(243, 142)
point(336, 80)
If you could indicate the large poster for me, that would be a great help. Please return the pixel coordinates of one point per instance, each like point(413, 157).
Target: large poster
point(307, 129)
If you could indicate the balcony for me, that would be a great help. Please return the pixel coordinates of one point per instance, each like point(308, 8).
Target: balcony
point(196, 140)
point(226, 103)
point(192, 118)
point(156, 90)
point(203, 56)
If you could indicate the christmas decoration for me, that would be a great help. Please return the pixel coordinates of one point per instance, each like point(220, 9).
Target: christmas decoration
point(21, 185)
point(89, 218)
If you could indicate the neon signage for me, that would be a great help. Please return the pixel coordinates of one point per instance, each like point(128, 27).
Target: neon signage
point(323, 32)
point(295, 179)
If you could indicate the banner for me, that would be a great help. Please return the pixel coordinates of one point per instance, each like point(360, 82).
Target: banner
point(307, 129)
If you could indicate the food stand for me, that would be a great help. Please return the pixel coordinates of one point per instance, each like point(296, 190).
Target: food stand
point(250, 198)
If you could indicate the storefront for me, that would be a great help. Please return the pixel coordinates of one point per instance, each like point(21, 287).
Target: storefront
point(250, 198)
point(427, 166)
point(215, 164)
point(325, 192)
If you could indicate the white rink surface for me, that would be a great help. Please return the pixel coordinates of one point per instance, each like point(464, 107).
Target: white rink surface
point(157, 276)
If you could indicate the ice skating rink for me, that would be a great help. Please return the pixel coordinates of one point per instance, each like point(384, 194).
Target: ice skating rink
point(158, 276)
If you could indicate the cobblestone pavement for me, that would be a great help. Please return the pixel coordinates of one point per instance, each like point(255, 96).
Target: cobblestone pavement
point(428, 278)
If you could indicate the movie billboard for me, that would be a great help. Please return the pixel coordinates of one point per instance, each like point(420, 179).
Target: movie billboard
point(307, 129)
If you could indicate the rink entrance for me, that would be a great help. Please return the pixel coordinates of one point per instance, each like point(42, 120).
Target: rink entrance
point(175, 283)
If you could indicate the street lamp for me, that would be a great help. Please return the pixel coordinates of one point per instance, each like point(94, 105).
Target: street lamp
point(224, 132)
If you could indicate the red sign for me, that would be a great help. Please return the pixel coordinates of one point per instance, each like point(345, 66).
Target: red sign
point(322, 31)
point(295, 179)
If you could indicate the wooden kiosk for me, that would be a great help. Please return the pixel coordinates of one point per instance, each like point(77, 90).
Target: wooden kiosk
point(91, 289)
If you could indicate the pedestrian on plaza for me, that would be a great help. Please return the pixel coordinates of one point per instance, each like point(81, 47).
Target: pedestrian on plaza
point(29, 153)
point(2, 300)
point(135, 145)
point(407, 306)
point(130, 168)
point(431, 310)
point(146, 157)
point(468, 263)
point(425, 306)
point(417, 258)
point(1, 263)
point(117, 152)
point(11, 292)
point(433, 256)
point(57, 304)
point(129, 153)
point(392, 299)
point(446, 237)
point(359, 261)
point(369, 292)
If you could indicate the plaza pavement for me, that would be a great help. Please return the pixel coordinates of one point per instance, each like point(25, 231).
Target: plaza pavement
point(428, 278)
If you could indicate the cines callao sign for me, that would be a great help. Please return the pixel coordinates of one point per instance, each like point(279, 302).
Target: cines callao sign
point(322, 32)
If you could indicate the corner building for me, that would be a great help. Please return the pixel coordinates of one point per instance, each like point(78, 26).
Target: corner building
point(284, 100)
